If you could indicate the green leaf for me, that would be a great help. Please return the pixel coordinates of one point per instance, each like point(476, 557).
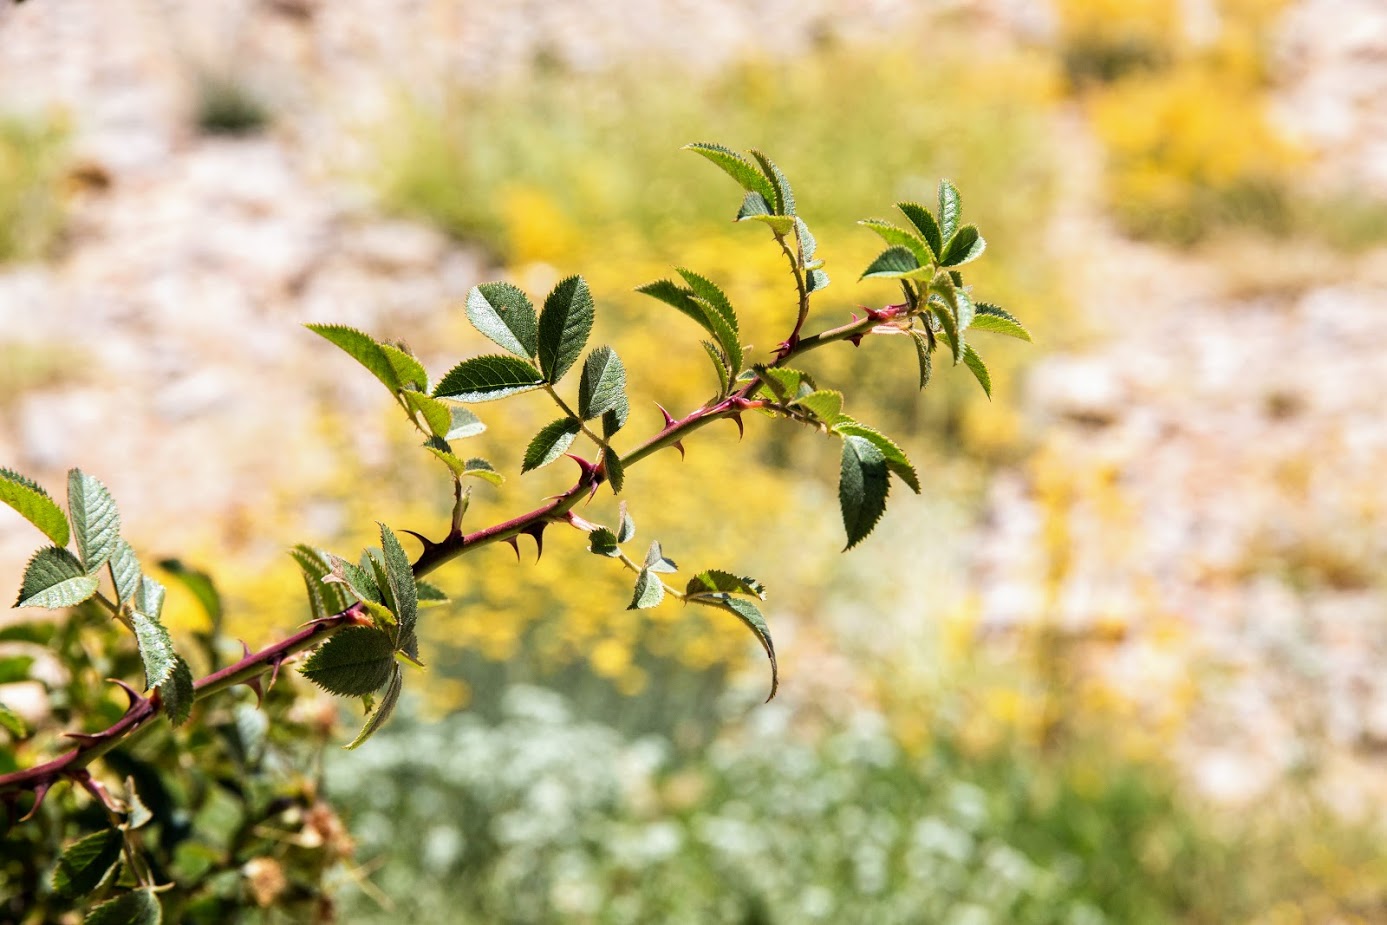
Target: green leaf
point(357, 579)
point(626, 530)
point(785, 384)
point(602, 387)
point(478, 468)
point(965, 246)
point(989, 317)
point(603, 542)
point(649, 591)
point(430, 594)
point(550, 443)
point(504, 314)
point(816, 280)
point(444, 454)
point(825, 404)
point(95, 519)
point(950, 205)
point(149, 599)
point(975, 363)
point(125, 571)
point(383, 709)
point(408, 371)
point(324, 598)
point(564, 325)
point(15, 668)
point(352, 662)
point(711, 295)
point(945, 308)
point(616, 473)
point(137, 814)
point(437, 415)
point(892, 263)
point(465, 424)
point(488, 377)
point(12, 721)
point(716, 581)
point(34, 505)
point(363, 348)
point(140, 907)
point(55, 579)
point(750, 615)
point(921, 218)
point(783, 198)
point(862, 487)
point(752, 205)
point(156, 649)
point(201, 586)
point(613, 419)
point(808, 246)
point(964, 306)
point(922, 353)
point(85, 863)
point(655, 560)
point(736, 167)
point(178, 693)
point(401, 579)
point(675, 296)
point(719, 365)
point(780, 224)
point(724, 333)
point(899, 237)
point(895, 457)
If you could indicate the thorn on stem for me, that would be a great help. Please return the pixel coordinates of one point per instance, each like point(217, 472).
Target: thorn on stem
point(535, 530)
point(40, 792)
point(669, 418)
point(741, 428)
point(424, 540)
point(514, 544)
point(134, 695)
point(679, 445)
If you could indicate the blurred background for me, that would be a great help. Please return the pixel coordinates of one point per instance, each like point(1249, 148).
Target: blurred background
point(1125, 658)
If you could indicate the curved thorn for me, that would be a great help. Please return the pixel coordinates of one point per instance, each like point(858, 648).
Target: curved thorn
point(536, 531)
point(737, 419)
point(427, 543)
point(669, 418)
point(514, 544)
point(84, 739)
point(679, 445)
point(134, 695)
point(40, 792)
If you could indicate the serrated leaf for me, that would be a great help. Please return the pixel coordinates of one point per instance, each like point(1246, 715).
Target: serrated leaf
point(477, 468)
point(989, 317)
point(675, 296)
point(55, 579)
point(649, 592)
point(505, 315)
point(825, 404)
point(444, 454)
point(358, 580)
point(950, 206)
point(125, 571)
point(892, 263)
point(325, 598)
point(550, 443)
point(783, 198)
point(736, 167)
point(895, 457)
point(384, 709)
point(178, 693)
point(862, 487)
point(616, 473)
point(924, 222)
point(963, 304)
point(85, 863)
point(156, 649)
point(603, 542)
point(487, 378)
point(613, 419)
point(945, 308)
point(363, 348)
point(808, 246)
point(465, 424)
point(716, 581)
point(816, 280)
point(137, 815)
point(352, 662)
point(12, 721)
point(922, 353)
point(149, 599)
point(753, 204)
point(780, 224)
point(899, 237)
point(602, 386)
point(408, 371)
point(979, 368)
point(719, 366)
point(564, 325)
point(95, 520)
point(785, 384)
point(138, 908)
point(34, 505)
point(437, 415)
point(965, 246)
point(373, 562)
point(401, 578)
point(626, 530)
point(655, 560)
point(723, 332)
point(751, 617)
point(711, 295)
point(430, 595)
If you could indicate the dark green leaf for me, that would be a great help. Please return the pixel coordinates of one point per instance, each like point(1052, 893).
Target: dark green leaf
point(991, 318)
point(15, 668)
point(34, 505)
point(655, 560)
point(12, 721)
point(564, 325)
point(716, 581)
point(383, 709)
point(924, 222)
point(950, 205)
point(465, 424)
point(408, 371)
point(892, 263)
point(86, 862)
point(922, 353)
point(156, 649)
point(429, 594)
point(615, 418)
point(602, 387)
point(711, 295)
point(649, 591)
point(363, 348)
point(675, 296)
point(352, 662)
point(895, 457)
point(401, 579)
point(724, 333)
point(138, 908)
point(626, 530)
point(736, 167)
point(437, 415)
point(965, 246)
point(616, 473)
point(862, 487)
point(603, 542)
point(177, 692)
point(201, 586)
point(783, 198)
point(719, 365)
point(505, 315)
point(54, 579)
point(95, 519)
point(899, 237)
point(125, 571)
point(486, 378)
point(550, 443)
point(945, 307)
point(750, 615)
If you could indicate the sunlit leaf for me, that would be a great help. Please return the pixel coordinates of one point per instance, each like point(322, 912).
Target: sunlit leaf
point(550, 443)
point(140, 907)
point(564, 325)
point(352, 662)
point(488, 377)
point(506, 316)
point(650, 591)
point(34, 505)
point(862, 487)
point(384, 708)
point(55, 579)
point(156, 649)
point(95, 519)
point(363, 348)
point(736, 167)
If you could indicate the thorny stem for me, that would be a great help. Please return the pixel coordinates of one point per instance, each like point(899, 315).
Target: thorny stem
point(800, 285)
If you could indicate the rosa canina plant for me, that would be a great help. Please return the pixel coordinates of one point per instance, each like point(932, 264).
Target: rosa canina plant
point(130, 842)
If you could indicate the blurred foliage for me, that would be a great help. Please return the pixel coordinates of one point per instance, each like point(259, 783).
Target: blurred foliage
point(32, 165)
point(228, 105)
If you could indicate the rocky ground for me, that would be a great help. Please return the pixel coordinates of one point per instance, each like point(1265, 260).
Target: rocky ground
point(1222, 433)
